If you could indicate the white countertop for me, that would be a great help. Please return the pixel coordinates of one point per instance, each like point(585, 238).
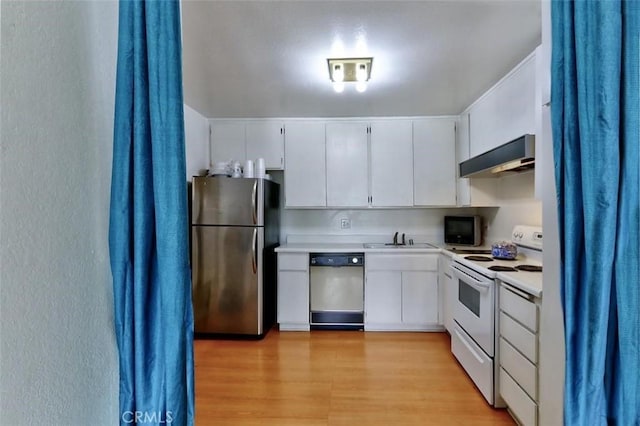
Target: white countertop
point(349, 248)
point(530, 282)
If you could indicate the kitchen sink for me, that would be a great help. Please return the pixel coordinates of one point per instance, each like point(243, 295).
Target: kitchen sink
point(399, 246)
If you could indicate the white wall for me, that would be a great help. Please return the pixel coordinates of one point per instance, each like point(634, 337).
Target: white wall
point(552, 342)
point(196, 134)
point(518, 206)
point(58, 362)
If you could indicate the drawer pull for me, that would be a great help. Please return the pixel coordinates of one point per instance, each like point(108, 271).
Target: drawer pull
point(518, 292)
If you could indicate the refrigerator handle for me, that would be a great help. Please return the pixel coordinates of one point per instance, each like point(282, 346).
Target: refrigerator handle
point(254, 201)
point(254, 249)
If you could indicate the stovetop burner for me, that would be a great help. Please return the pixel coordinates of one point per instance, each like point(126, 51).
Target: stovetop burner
point(529, 268)
point(500, 268)
point(479, 258)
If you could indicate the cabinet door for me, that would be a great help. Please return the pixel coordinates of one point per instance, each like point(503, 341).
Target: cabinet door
point(227, 141)
point(305, 167)
point(506, 111)
point(383, 297)
point(293, 297)
point(463, 197)
point(450, 295)
point(347, 164)
point(434, 162)
point(391, 163)
point(265, 139)
point(419, 297)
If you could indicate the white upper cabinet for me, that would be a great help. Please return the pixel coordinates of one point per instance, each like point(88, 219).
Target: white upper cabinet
point(265, 139)
point(305, 167)
point(242, 140)
point(227, 141)
point(506, 111)
point(472, 192)
point(434, 162)
point(347, 164)
point(391, 163)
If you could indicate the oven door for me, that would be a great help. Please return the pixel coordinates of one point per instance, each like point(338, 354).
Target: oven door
point(474, 306)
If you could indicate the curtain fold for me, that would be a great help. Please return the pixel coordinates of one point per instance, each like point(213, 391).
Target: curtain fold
point(148, 230)
point(596, 136)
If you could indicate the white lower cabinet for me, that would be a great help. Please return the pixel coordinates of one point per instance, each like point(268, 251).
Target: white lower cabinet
point(383, 297)
point(419, 297)
point(518, 354)
point(293, 291)
point(449, 290)
point(520, 404)
point(401, 292)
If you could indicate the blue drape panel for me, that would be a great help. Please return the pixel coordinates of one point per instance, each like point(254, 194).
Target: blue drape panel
point(148, 231)
point(596, 134)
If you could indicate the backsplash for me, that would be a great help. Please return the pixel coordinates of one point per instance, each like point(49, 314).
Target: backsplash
point(518, 206)
point(419, 223)
point(412, 222)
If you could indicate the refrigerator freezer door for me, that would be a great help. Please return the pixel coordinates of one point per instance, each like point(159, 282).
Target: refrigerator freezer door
point(227, 201)
point(227, 279)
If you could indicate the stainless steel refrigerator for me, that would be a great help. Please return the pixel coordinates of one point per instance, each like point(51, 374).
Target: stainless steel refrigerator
point(235, 227)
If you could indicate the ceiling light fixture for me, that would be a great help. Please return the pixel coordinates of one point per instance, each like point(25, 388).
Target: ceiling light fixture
point(343, 70)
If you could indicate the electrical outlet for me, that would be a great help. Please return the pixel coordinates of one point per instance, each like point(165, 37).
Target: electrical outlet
point(345, 224)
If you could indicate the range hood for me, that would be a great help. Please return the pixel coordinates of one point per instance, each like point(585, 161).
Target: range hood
point(515, 156)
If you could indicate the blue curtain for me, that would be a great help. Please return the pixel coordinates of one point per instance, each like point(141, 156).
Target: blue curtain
point(596, 135)
point(148, 230)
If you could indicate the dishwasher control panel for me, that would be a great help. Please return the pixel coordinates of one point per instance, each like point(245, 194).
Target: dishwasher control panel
point(336, 259)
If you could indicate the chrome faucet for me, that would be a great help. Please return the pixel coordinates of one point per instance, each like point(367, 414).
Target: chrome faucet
point(395, 239)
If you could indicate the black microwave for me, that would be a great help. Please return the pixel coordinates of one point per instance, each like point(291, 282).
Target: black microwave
point(463, 230)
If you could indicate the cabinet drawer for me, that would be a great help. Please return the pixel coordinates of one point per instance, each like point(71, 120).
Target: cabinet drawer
point(522, 339)
point(519, 308)
point(401, 262)
point(293, 262)
point(519, 368)
point(477, 364)
point(519, 403)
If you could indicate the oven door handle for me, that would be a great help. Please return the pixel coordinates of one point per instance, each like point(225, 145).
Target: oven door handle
point(468, 279)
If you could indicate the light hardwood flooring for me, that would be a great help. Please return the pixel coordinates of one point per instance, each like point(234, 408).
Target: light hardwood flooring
point(337, 378)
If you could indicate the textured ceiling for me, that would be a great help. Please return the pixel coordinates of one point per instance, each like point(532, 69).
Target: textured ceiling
point(268, 58)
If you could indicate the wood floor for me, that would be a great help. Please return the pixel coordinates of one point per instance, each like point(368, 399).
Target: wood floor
point(337, 378)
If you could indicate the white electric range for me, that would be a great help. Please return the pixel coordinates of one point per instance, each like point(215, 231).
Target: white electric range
point(474, 341)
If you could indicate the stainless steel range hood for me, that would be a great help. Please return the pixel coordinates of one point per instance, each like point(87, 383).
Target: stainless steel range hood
point(515, 156)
